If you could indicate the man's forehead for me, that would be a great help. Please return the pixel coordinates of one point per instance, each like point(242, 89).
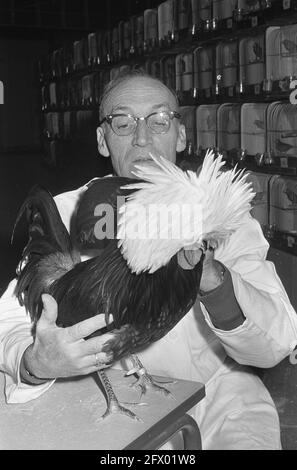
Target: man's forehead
point(139, 91)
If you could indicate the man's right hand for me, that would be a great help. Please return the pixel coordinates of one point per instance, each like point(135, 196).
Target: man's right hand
point(63, 352)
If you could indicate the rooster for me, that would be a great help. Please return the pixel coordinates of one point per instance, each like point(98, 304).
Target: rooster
point(137, 280)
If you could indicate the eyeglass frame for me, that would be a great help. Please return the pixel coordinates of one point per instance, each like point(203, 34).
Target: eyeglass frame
point(109, 118)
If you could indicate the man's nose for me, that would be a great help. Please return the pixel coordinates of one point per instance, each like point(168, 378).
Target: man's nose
point(142, 135)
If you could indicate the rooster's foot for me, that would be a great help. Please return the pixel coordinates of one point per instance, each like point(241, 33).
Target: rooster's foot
point(146, 382)
point(116, 408)
point(113, 404)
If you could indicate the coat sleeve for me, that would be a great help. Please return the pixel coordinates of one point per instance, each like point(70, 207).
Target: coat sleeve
point(15, 337)
point(15, 325)
point(269, 332)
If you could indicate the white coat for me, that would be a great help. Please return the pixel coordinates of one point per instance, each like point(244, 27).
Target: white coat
point(237, 412)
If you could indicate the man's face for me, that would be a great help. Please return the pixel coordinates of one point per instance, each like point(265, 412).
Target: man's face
point(139, 96)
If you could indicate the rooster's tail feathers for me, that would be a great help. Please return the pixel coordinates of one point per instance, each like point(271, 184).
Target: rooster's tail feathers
point(48, 254)
point(44, 219)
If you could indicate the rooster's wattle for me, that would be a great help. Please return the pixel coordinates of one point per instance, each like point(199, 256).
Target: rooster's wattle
point(137, 279)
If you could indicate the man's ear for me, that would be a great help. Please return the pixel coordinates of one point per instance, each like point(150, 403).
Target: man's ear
point(182, 139)
point(102, 147)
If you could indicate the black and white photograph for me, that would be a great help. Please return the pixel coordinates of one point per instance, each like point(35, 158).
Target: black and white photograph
point(148, 231)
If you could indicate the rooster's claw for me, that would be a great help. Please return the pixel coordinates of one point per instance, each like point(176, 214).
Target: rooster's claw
point(116, 408)
point(145, 382)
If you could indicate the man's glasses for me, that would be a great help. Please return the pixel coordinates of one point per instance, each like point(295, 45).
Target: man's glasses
point(125, 124)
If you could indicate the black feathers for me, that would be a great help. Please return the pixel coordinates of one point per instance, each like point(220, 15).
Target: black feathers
point(49, 253)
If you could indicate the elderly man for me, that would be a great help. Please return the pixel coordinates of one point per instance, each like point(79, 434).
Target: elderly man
point(242, 316)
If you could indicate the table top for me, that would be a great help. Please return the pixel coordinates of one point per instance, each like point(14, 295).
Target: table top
point(68, 415)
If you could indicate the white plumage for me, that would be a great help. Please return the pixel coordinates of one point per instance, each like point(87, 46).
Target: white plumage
point(173, 209)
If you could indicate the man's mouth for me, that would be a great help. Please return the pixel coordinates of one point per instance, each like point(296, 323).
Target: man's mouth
point(143, 159)
point(146, 158)
point(142, 162)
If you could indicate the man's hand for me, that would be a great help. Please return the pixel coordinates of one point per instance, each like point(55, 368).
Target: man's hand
point(63, 352)
point(212, 275)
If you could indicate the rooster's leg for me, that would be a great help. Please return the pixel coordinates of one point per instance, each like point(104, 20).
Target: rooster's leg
point(113, 404)
point(145, 381)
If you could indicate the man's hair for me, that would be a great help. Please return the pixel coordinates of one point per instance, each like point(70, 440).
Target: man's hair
point(123, 76)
